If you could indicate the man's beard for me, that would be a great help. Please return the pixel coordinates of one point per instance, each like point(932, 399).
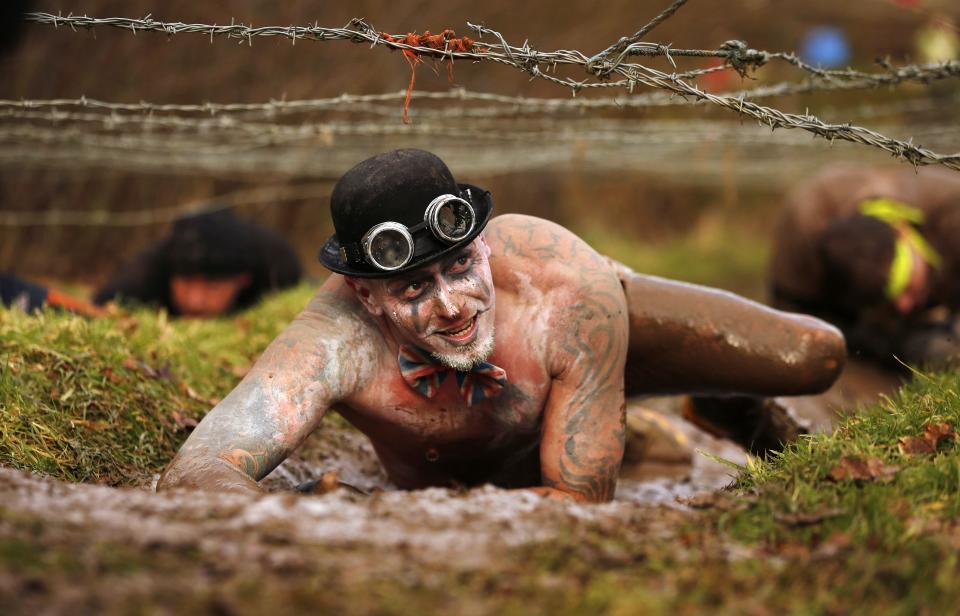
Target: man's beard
point(470, 356)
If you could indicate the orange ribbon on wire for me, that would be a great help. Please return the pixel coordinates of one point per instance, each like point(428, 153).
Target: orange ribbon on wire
point(447, 40)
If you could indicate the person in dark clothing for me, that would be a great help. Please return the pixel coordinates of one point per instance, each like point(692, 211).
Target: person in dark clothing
point(28, 296)
point(874, 251)
point(210, 264)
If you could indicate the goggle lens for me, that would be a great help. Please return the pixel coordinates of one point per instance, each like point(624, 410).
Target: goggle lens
point(454, 219)
point(450, 218)
point(390, 249)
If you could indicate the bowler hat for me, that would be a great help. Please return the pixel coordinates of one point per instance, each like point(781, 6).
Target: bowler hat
point(395, 186)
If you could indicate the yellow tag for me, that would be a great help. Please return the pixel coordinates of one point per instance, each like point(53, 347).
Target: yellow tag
point(900, 269)
point(902, 218)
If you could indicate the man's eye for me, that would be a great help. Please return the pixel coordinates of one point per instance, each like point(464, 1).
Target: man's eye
point(413, 290)
point(460, 265)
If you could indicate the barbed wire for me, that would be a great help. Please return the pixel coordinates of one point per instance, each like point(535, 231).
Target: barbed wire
point(735, 52)
point(623, 44)
point(230, 136)
point(241, 136)
point(539, 64)
point(501, 104)
point(264, 195)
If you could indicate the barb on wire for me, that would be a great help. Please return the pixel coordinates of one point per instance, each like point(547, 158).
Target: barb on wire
point(625, 42)
point(535, 62)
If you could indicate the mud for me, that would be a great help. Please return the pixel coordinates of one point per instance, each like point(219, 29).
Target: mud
point(860, 383)
point(80, 548)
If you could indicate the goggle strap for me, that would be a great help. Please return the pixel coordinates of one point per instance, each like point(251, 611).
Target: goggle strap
point(351, 253)
point(422, 244)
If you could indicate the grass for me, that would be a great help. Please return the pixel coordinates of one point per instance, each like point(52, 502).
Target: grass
point(714, 253)
point(924, 494)
point(109, 400)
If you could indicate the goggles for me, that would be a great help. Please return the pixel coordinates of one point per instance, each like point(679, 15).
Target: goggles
point(389, 246)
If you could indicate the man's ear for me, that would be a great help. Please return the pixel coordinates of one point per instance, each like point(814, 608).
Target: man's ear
point(362, 290)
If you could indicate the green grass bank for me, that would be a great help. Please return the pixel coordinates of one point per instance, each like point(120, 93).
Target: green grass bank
point(110, 400)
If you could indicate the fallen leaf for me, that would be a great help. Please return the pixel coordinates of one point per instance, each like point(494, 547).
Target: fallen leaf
point(130, 364)
point(793, 549)
point(711, 500)
point(914, 445)
point(855, 468)
point(92, 425)
point(808, 518)
point(936, 432)
point(190, 393)
point(128, 325)
point(328, 482)
point(834, 544)
point(933, 434)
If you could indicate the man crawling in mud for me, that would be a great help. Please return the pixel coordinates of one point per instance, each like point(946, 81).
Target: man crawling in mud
point(472, 350)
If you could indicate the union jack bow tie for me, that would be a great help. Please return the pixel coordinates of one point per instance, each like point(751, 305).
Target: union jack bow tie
point(424, 374)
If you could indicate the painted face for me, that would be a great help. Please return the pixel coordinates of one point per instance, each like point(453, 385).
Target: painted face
point(203, 296)
point(446, 308)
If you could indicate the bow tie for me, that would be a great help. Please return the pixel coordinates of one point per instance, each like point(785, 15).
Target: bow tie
point(424, 374)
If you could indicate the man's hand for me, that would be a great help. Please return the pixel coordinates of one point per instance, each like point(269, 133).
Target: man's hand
point(205, 472)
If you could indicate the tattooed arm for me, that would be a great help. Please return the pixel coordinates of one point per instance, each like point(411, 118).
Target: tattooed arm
point(308, 367)
point(583, 426)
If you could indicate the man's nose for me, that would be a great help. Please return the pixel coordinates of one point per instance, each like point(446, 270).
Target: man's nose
point(446, 305)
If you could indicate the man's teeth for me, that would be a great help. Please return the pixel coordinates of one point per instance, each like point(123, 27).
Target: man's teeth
point(457, 332)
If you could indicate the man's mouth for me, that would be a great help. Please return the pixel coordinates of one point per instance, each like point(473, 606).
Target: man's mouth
point(461, 332)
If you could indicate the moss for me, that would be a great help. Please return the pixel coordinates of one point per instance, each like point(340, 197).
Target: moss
point(110, 400)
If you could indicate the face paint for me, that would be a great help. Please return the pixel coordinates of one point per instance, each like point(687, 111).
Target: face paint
point(446, 308)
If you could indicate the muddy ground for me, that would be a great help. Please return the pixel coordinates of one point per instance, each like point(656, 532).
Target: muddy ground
point(77, 548)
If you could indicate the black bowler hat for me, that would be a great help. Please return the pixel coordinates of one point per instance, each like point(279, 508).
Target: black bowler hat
point(396, 187)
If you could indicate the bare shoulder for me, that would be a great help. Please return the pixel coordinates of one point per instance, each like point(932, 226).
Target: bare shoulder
point(326, 340)
point(554, 273)
point(335, 309)
point(527, 248)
